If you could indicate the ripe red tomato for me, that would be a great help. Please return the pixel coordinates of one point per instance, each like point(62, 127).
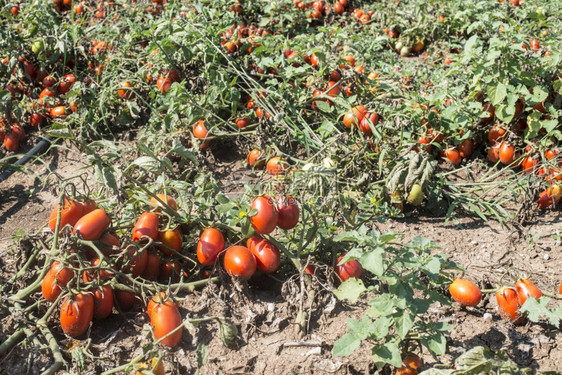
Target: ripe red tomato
point(267, 255)
point(164, 318)
point(550, 154)
point(465, 292)
point(287, 212)
point(535, 45)
point(103, 302)
point(47, 92)
point(171, 239)
point(171, 202)
point(170, 270)
point(36, 119)
point(95, 274)
point(58, 111)
point(239, 261)
point(529, 164)
point(152, 269)
point(333, 89)
point(348, 270)
point(134, 260)
point(465, 148)
point(335, 76)
point(76, 314)
point(275, 166)
point(58, 276)
point(163, 84)
point(92, 225)
point(364, 125)
point(199, 130)
point(453, 155)
point(508, 303)
point(410, 365)
point(242, 122)
point(124, 93)
point(496, 133)
point(70, 213)
point(209, 246)
point(507, 153)
point(525, 289)
point(109, 243)
point(126, 300)
point(146, 225)
point(494, 153)
point(11, 141)
point(254, 160)
point(266, 218)
point(49, 81)
point(66, 84)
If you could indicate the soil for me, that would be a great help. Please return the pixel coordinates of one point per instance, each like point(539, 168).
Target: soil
point(264, 311)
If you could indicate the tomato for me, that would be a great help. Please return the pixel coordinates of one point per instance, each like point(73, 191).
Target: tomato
point(465, 292)
point(135, 260)
point(448, 60)
point(49, 81)
point(92, 225)
point(103, 302)
point(58, 111)
point(494, 153)
point(242, 122)
point(560, 289)
point(36, 119)
point(535, 45)
point(350, 59)
point(124, 91)
point(146, 225)
point(239, 261)
point(254, 159)
point(171, 202)
point(365, 126)
point(164, 318)
point(152, 268)
point(56, 278)
point(125, 300)
point(453, 155)
point(335, 76)
point(333, 89)
point(275, 166)
point(71, 211)
point(550, 154)
point(18, 131)
point(109, 243)
point(171, 239)
point(348, 270)
point(47, 92)
point(525, 289)
point(496, 133)
point(465, 148)
point(287, 212)
point(488, 107)
point(267, 255)
point(266, 218)
point(410, 365)
point(66, 84)
point(508, 303)
point(507, 153)
point(170, 270)
point(11, 142)
point(355, 116)
point(199, 130)
point(76, 314)
point(529, 164)
point(210, 244)
point(157, 299)
point(163, 84)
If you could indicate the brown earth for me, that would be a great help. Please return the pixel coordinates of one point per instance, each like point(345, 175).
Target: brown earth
point(264, 312)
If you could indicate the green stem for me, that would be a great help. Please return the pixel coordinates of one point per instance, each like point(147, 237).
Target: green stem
point(14, 338)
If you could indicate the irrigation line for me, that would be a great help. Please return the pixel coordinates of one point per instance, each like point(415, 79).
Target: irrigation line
point(40, 147)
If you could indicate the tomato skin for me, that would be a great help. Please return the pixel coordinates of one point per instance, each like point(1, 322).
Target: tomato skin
point(410, 365)
point(355, 117)
point(508, 303)
point(239, 261)
point(76, 314)
point(126, 94)
point(348, 270)
point(210, 244)
point(266, 218)
point(267, 255)
point(164, 318)
point(254, 160)
point(242, 122)
point(36, 119)
point(507, 153)
point(103, 302)
point(535, 45)
point(58, 111)
point(11, 142)
point(92, 225)
point(71, 212)
point(125, 300)
point(199, 130)
point(171, 202)
point(465, 292)
point(136, 260)
point(58, 276)
point(169, 271)
point(525, 289)
point(152, 269)
point(146, 225)
point(364, 124)
point(453, 155)
point(287, 212)
point(494, 153)
point(275, 166)
point(465, 148)
point(171, 239)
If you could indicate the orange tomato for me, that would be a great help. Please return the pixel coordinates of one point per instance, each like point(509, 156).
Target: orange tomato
point(76, 314)
point(92, 225)
point(56, 278)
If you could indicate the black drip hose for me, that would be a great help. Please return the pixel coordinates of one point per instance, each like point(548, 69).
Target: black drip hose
point(40, 147)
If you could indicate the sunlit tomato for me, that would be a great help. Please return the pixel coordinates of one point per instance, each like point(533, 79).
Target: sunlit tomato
point(171, 239)
point(287, 212)
point(335, 76)
point(109, 243)
point(535, 45)
point(18, 130)
point(49, 81)
point(529, 164)
point(453, 155)
point(66, 84)
point(146, 225)
point(465, 292)
point(507, 153)
point(125, 300)
point(11, 142)
point(164, 319)
point(171, 202)
point(242, 122)
point(152, 269)
point(71, 211)
point(58, 276)
point(239, 261)
point(163, 84)
point(266, 218)
point(199, 130)
point(314, 60)
point(47, 92)
point(103, 302)
point(365, 124)
point(333, 89)
point(550, 154)
point(125, 92)
point(525, 289)
point(275, 166)
point(267, 255)
point(496, 133)
point(58, 111)
point(494, 153)
point(465, 148)
point(134, 260)
point(254, 159)
point(36, 119)
point(350, 59)
point(76, 314)
point(348, 270)
point(508, 303)
point(170, 270)
point(410, 365)
point(210, 244)
point(92, 225)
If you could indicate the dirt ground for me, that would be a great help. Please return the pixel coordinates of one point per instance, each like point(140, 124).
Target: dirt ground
point(268, 343)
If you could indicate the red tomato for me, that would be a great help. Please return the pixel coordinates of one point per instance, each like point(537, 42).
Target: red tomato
point(171, 239)
point(152, 269)
point(125, 92)
point(170, 270)
point(239, 261)
point(266, 218)
point(135, 260)
point(287, 212)
point(49, 81)
point(58, 276)
point(126, 300)
point(171, 202)
point(465, 148)
point(11, 142)
point(103, 302)
point(92, 225)
point(529, 164)
point(254, 160)
point(58, 111)
point(109, 243)
point(535, 45)
point(507, 153)
point(76, 314)
point(200, 131)
point(164, 318)
point(163, 84)
point(364, 125)
point(410, 365)
point(66, 84)
point(209, 246)
point(494, 153)
point(525, 289)
point(550, 154)
point(335, 76)
point(146, 225)
point(47, 92)
point(95, 274)
point(508, 303)
point(36, 119)
point(348, 270)
point(267, 255)
point(465, 292)
point(453, 155)
point(496, 133)
point(275, 166)
point(242, 122)
point(70, 213)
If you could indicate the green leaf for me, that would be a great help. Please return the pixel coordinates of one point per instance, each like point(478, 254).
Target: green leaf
point(373, 261)
point(432, 268)
point(436, 343)
point(346, 345)
point(497, 94)
point(536, 309)
point(324, 106)
point(350, 290)
point(381, 306)
point(387, 353)
point(404, 323)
